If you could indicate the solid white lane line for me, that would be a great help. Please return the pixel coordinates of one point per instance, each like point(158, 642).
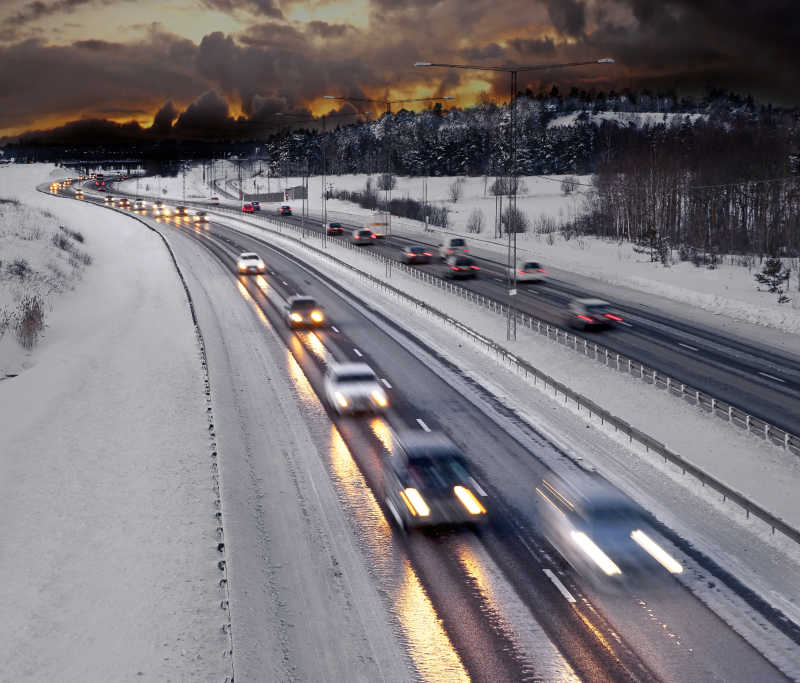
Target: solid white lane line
point(423, 425)
point(777, 379)
point(358, 353)
point(622, 322)
point(335, 329)
point(561, 587)
point(686, 346)
point(386, 383)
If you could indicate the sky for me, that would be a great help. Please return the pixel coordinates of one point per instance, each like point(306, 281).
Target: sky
point(197, 62)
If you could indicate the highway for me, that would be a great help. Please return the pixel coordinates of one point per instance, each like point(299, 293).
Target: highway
point(502, 595)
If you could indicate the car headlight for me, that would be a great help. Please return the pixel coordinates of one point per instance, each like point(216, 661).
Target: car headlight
point(296, 317)
point(380, 398)
point(657, 552)
point(317, 316)
point(415, 502)
point(242, 266)
point(469, 501)
point(341, 400)
point(588, 546)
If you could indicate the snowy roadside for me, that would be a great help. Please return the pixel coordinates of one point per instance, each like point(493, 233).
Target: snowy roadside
point(110, 559)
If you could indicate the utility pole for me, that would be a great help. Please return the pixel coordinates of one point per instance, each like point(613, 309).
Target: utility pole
point(511, 170)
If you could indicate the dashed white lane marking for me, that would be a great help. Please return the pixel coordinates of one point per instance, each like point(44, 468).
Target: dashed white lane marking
point(561, 587)
point(686, 346)
point(285, 283)
point(777, 379)
point(358, 353)
point(335, 329)
point(423, 425)
point(386, 383)
point(477, 487)
point(622, 322)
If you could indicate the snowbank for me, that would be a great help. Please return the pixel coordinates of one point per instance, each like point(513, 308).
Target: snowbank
point(109, 542)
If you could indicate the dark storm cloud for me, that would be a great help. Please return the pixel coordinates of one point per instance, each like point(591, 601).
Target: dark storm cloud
point(267, 8)
point(205, 117)
point(568, 16)
point(162, 121)
point(275, 65)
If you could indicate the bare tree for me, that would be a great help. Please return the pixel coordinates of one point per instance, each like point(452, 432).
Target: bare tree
point(475, 222)
point(454, 191)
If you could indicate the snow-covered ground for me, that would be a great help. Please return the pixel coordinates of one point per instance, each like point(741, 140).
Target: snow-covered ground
point(727, 290)
point(109, 557)
point(635, 119)
point(767, 564)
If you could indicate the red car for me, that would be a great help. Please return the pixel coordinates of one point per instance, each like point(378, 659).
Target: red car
point(247, 208)
point(286, 210)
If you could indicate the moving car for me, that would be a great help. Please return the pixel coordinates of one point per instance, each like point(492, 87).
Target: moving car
point(335, 229)
point(591, 314)
point(256, 206)
point(303, 311)
point(79, 194)
point(247, 208)
point(415, 254)
point(249, 262)
point(285, 210)
point(451, 246)
point(140, 205)
point(161, 209)
point(427, 482)
point(181, 212)
point(214, 201)
point(528, 271)
point(602, 534)
point(200, 217)
point(363, 236)
point(354, 388)
point(460, 268)
point(108, 199)
point(124, 203)
point(378, 225)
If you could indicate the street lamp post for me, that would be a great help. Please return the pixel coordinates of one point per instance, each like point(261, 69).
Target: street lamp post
point(388, 181)
point(513, 71)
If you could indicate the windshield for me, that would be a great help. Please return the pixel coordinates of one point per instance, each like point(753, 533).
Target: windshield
point(304, 305)
point(457, 243)
point(249, 257)
point(355, 377)
point(437, 473)
point(596, 308)
point(463, 262)
point(531, 265)
point(417, 250)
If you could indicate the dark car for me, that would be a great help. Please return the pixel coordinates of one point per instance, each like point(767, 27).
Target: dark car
point(335, 229)
point(256, 206)
point(461, 267)
point(303, 311)
point(591, 314)
point(427, 482)
point(286, 210)
point(415, 254)
point(363, 236)
point(181, 212)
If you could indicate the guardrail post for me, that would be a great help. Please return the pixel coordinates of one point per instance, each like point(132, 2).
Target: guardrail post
point(766, 431)
point(747, 422)
point(713, 405)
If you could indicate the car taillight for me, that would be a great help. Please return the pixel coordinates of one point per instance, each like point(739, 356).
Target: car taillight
point(474, 267)
point(466, 251)
point(448, 251)
point(542, 270)
point(453, 267)
point(374, 237)
point(427, 253)
point(356, 237)
point(521, 272)
point(586, 318)
point(614, 317)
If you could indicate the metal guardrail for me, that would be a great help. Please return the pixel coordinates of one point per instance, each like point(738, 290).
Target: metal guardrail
point(735, 416)
point(705, 402)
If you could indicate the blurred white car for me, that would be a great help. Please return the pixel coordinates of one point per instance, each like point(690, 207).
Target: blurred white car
point(354, 388)
point(528, 271)
point(139, 205)
point(161, 209)
point(249, 262)
point(452, 246)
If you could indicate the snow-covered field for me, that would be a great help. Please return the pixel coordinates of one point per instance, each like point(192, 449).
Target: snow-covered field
point(109, 558)
point(636, 119)
point(727, 290)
